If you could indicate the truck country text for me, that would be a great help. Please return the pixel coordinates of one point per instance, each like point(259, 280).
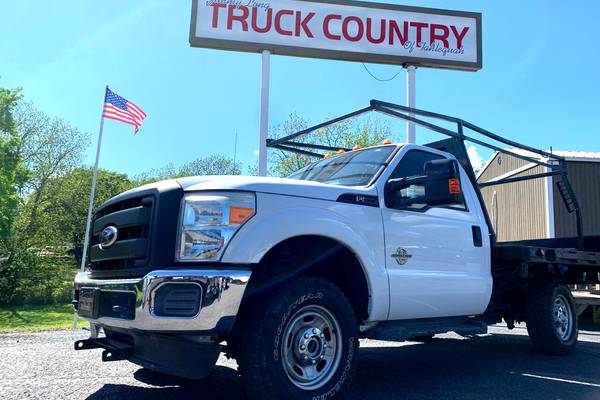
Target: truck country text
point(351, 28)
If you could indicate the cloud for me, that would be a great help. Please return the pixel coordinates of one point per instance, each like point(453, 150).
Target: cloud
point(256, 153)
point(475, 158)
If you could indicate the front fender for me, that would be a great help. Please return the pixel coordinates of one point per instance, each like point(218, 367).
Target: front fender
point(357, 227)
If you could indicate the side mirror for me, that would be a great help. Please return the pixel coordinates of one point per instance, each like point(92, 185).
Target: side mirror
point(443, 185)
point(440, 185)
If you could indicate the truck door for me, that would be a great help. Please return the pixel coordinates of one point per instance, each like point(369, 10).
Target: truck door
point(437, 257)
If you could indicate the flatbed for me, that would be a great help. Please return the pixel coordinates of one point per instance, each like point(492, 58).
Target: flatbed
point(562, 253)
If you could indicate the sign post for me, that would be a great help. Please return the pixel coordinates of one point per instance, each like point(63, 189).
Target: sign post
point(411, 71)
point(264, 113)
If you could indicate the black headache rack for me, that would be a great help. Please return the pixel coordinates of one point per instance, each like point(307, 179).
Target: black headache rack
point(579, 250)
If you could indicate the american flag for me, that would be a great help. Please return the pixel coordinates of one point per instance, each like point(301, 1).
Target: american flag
point(121, 109)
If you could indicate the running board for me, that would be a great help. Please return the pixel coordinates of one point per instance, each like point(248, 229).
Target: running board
point(400, 331)
point(112, 350)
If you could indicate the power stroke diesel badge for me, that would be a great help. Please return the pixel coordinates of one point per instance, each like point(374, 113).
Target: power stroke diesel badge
point(401, 256)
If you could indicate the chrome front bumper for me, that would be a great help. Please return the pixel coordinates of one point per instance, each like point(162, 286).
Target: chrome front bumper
point(222, 292)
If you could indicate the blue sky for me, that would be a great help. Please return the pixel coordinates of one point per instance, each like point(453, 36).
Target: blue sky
point(539, 83)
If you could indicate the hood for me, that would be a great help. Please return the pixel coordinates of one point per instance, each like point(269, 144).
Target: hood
point(283, 186)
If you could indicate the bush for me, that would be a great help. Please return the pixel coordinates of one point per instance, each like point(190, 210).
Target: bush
point(33, 278)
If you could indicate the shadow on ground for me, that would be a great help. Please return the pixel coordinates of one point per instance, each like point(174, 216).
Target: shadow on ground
point(589, 326)
point(489, 367)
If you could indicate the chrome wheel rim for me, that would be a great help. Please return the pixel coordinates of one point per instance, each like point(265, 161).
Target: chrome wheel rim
point(311, 347)
point(563, 317)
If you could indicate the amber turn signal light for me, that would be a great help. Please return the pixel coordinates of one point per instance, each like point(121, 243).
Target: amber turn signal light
point(238, 215)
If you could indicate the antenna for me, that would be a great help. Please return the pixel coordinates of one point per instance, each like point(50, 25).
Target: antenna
point(235, 147)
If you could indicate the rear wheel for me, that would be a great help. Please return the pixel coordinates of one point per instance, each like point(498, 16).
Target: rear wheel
point(302, 343)
point(552, 319)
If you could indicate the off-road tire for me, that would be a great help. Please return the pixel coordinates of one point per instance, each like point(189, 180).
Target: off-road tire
point(541, 324)
point(260, 359)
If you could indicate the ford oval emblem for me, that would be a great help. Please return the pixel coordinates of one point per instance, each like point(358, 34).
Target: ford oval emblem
point(108, 237)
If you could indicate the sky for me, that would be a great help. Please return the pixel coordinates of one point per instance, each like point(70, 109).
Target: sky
point(539, 83)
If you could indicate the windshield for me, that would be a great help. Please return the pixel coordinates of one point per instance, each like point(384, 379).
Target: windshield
point(356, 168)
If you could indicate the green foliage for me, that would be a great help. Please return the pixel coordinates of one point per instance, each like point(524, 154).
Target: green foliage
point(14, 174)
point(212, 165)
point(50, 148)
point(63, 206)
point(37, 275)
point(345, 134)
point(43, 270)
point(38, 155)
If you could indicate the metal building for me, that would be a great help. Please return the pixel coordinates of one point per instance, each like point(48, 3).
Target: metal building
point(534, 209)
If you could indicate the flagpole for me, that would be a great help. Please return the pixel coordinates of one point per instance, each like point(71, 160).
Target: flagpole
point(92, 194)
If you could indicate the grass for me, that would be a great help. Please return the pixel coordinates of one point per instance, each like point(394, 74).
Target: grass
point(37, 318)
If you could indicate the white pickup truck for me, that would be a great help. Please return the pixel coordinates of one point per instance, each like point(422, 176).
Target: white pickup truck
point(285, 275)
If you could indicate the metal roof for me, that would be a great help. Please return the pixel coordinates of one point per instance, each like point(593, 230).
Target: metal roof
point(590, 156)
point(573, 156)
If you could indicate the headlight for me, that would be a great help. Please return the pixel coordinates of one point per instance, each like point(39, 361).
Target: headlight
point(208, 221)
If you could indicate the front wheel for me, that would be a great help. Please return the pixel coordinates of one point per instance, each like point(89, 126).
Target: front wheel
point(552, 319)
point(302, 344)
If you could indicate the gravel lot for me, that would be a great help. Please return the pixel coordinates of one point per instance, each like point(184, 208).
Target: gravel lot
point(497, 366)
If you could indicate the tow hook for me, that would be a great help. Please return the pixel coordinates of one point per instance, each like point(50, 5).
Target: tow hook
point(113, 350)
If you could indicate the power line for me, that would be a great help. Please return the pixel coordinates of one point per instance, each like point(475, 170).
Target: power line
point(381, 79)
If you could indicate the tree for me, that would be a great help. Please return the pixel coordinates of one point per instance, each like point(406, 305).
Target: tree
point(64, 205)
point(13, 173)
point(49, 147)
point(345, 134)
point(215, 164)
point(41, 270)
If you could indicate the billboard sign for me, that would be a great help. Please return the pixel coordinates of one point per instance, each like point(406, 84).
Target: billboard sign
point(341, 30)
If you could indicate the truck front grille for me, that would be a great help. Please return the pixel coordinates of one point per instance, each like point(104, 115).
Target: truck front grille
point(130, 252)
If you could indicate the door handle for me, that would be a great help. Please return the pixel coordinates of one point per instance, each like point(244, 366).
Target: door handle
point(477, 237)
